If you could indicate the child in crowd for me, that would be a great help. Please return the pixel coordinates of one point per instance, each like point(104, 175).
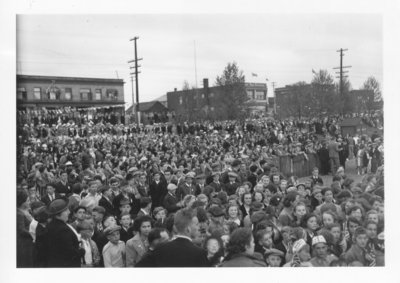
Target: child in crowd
point(114, 250)
point(274, 257)
point(126, 231)
point(92, 255)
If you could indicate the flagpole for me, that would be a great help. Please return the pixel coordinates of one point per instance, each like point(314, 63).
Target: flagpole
point(195, 64)
point(274, 101)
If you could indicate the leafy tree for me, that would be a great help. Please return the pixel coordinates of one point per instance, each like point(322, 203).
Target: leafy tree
point(233, 98)
point(322, 78)
point(372, 84)
point(323, 98)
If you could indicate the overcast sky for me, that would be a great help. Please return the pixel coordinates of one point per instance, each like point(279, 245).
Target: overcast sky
point(281, 47)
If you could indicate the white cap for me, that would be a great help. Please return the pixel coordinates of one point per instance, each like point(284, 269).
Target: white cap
point(190, 174)
point(171, 187)
point(318, 239)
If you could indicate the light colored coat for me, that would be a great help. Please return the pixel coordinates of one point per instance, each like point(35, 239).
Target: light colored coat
point(135, 250)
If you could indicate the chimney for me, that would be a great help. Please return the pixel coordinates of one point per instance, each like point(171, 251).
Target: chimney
point(175, 89)
point(205, 83)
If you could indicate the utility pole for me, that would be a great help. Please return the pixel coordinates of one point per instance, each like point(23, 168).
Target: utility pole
point(136, 73)
point(273, 88)
point(341, 72)
point(133, 95)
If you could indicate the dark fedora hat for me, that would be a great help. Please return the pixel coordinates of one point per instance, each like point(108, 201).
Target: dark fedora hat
point(57, 206)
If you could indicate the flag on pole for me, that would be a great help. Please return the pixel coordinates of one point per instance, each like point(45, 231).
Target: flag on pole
point(254, 74)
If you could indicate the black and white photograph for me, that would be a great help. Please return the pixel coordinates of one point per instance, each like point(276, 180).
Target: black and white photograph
point(201, 140)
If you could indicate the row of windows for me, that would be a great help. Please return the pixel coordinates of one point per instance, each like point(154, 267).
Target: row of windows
point(195, 97)
point(258, 95)
point(55, 94)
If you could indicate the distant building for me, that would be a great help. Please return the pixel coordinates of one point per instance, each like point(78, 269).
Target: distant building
point(150, 112)
point(302, 99)
point(163, 100)
point(201, 103)
point(285, 100)
point(53, 92)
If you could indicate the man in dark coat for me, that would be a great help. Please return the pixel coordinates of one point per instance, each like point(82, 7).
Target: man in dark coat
point(158, 190)
point(63, 188)
point(187, 187)
point(323, 155)
point(105, 200)
point(232, 185)
point(50, 194)
point(63, 244)
point(170, 202)
point(181, 252)
point(215, 182)
point(200, 180)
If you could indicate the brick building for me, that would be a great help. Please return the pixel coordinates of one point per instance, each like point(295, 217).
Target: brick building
point(53, 92)
point(201, 103)
point(304, 99)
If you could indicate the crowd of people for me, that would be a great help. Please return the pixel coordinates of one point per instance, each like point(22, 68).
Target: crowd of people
point(91, 193)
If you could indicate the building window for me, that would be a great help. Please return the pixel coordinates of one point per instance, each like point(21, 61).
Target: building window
point(37, 93)
point(260, 95)
point(180, 100)
point(98, 94)
point(212, 108)
point(202, 96)
point(112, 94)
point(53, 94)
point(85, 94)
point(211, 94)
point(68, 94)
point(21, 93)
